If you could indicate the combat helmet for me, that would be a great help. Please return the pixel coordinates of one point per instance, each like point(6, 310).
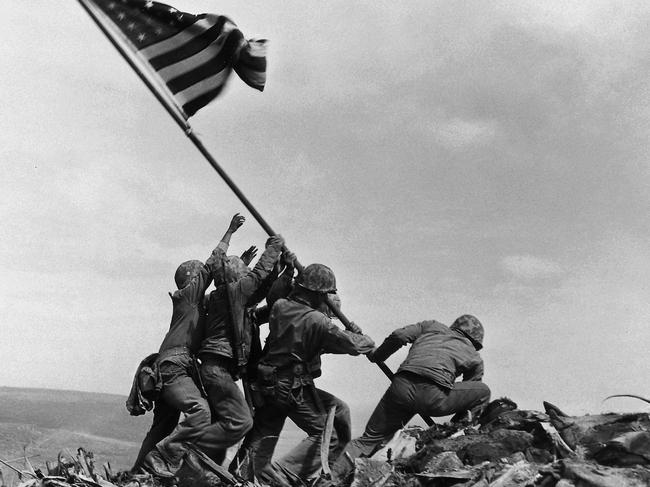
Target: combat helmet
point(186, 272)
point(472, 328)
point(317, 278)
point(232, 269)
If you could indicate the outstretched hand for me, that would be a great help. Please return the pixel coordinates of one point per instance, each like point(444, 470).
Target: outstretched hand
point(249, 254)
point(236, 222)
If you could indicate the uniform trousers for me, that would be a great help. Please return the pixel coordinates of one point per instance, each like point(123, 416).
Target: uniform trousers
point(410, 394)
point(231, 416)
point(181, 394)
point(307, 407)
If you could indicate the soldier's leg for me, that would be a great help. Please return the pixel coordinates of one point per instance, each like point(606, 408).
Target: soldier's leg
point(304, 459)
point(181, 393)
point(464, 396)
point(165, 419)
point(259, 444)
point(394, 410)
point(341, 435)
point(231, 417)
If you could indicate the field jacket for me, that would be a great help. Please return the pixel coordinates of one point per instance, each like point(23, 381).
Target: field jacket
point(437, 353)
point(229, 328)
point(300, 334)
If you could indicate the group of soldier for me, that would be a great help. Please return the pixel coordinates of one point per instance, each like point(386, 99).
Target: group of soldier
point(214, 340)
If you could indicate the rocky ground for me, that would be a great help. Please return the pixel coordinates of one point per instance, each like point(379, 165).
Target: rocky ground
point(509, 447)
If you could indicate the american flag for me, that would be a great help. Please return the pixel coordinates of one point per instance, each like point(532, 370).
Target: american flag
point(193, 55)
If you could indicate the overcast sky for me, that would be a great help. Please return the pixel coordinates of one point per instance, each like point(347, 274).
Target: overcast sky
point(442, 157)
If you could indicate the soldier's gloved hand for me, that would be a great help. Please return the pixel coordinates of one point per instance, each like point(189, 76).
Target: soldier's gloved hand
point(236, 222)
point(371, 355)
point(275, 241)
point(248, 255)
point(354, 328)
point(287, 259)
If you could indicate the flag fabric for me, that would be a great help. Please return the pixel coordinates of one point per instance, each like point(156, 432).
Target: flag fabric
point(193, 55)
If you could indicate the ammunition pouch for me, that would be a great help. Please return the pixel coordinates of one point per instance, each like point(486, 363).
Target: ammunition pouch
point(302, 381)
point(301, 376)
point(266, 385)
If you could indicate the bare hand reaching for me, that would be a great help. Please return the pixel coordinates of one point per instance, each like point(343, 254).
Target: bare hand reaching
point(248, 255)
point(236, 222)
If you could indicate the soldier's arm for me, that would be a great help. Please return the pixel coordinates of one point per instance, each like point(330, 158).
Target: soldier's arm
point(252, 281)
point(273, 287)
point(399, 338)
point(282, 286)
point(236, 222)
point(335, 340)
point(215, 261)
point(475, 372)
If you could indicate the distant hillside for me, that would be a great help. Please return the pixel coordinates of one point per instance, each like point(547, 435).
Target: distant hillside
point(45, 422)
point(96, 414)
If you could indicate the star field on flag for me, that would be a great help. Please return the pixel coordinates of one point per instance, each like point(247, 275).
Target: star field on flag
point(193, 55)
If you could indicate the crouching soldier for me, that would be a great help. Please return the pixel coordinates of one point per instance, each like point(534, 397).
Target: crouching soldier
point(164, 446)
point(298, 334)
point(230, 335)
point(425, 382)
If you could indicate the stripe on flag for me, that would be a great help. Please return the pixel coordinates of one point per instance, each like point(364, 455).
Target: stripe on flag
point(192, 55)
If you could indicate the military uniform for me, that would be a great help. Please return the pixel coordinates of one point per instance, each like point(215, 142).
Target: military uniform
point(180, 393)
point(424, 384)
point(230, 336)
point(298, 336)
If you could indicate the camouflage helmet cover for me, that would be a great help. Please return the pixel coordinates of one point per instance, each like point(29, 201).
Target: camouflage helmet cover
point(472, 328)
point(232, 269)
point(318, 278)
point(186, 271)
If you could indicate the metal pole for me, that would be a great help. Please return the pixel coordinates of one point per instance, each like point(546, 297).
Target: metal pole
point(231, 184)
point(184, 125)
point(215, 165)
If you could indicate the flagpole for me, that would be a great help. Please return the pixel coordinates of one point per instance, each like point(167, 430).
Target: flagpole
point(231, 184)
point(187, 129)
point(182, 123)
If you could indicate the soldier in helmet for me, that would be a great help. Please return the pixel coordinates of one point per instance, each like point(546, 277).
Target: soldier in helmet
point(231, 336)
point(163, 448)
point(425, 382)
point(298, 334)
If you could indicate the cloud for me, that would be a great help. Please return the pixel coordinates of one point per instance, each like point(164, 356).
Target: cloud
point(579, 341)
point(530, 267)
point(457, 133)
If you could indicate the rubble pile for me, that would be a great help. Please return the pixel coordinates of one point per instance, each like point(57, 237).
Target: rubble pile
point(513, 447)
point(79, 470)
point(508, 448)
